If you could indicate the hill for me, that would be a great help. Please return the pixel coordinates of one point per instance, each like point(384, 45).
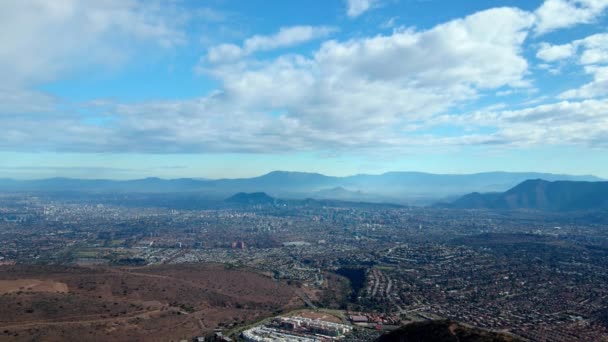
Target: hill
point(155, 303)
point(541, 195)
point(250, 199)
point(261, 198)
point(443, 331)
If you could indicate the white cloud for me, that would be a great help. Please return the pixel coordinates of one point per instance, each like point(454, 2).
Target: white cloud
point(285, 37)
point(376, 85)
point(598, 87)
point(552, 53)
point(595, 49)
point(590, 50)
point(355, 94)
point(224, 53)
point(592, 54)
point(42, 39)
point(563, 123)
point(378, 92)
point(558, 14)
point(574, 123)
point(482, 49)
point(355, 8)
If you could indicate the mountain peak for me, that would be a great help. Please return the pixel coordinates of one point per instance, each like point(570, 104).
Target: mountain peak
point(539, 194)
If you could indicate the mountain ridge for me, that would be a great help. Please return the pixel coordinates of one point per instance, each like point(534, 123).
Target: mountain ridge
point(403, 187)
point(538, 194)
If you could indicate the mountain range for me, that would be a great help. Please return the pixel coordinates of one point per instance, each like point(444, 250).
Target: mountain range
point(396, 187)
point(540, 194)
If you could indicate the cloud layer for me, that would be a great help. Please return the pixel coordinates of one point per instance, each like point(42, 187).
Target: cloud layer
point(558, 14)
point(407, 89)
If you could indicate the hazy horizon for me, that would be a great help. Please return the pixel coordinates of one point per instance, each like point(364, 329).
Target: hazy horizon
point(303, 172)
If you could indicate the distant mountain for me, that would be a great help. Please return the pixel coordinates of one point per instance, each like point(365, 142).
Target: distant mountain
point(251, 198)
point(395, 187)
point(341, 193)
point(542, 195)
point(261, 198)
point(336, 192)
point(444, 331)
point(449, 184)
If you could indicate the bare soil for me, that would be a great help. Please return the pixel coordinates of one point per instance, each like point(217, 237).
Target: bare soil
point(320, 315)
point(32, 285)
point(160, 303)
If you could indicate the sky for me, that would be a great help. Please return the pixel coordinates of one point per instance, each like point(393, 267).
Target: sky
point(125, 89)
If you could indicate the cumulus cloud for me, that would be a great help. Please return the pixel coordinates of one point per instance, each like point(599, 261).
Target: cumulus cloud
point(590, 50)
point(359, 93)
point(598, 87)
point(551, 53)
point(374, 85)
point(379, 92)
point(595, 49)
point(355, 8)
point(592, 54)
point(42, 39)
point(285, 37)
point(558, 14)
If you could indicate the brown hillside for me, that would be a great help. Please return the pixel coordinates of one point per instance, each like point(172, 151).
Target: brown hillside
point(163, 303)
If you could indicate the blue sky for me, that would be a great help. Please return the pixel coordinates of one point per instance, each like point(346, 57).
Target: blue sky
point(224, 88)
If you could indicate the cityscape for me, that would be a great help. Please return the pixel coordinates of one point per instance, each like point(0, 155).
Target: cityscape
point(539, 276)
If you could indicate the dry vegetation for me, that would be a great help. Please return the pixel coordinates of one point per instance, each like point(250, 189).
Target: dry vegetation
point(162, 303)
point(32, 285)
point(323, 315)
